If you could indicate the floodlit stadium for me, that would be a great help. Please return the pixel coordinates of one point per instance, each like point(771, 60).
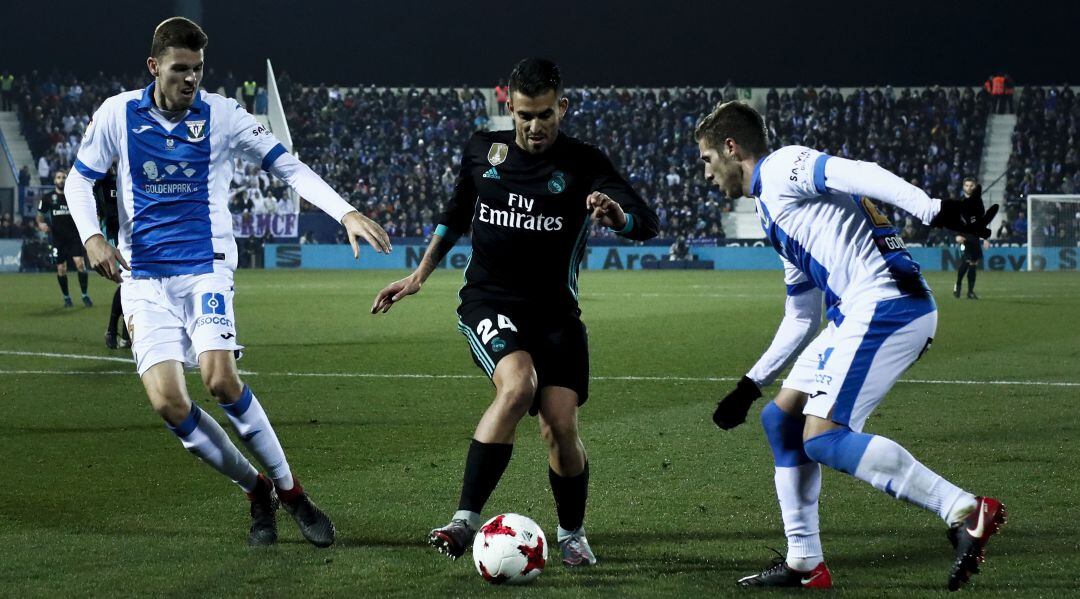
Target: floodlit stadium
point(641, 299)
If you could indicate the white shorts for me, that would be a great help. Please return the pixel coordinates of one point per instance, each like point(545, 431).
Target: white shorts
point(179, 318)
point(848, 368)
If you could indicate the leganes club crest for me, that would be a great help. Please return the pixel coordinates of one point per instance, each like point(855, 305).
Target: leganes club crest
point(195, 129)
point(497, 154)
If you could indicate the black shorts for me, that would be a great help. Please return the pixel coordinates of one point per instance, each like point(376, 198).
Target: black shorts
point(558, 344)
point(66, 244)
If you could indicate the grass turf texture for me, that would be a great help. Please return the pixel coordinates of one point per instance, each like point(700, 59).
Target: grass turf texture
point(99, 498)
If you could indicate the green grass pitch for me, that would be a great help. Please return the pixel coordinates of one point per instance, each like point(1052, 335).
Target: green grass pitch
point(98, 498)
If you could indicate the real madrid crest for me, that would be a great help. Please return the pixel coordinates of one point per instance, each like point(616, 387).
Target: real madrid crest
point(497, 154)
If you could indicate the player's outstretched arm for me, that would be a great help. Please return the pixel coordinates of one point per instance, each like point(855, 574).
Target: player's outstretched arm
point(967, 215)
point(869, 180)
point(802, 318)
point(79, 191)
point(312, 188)
point(441, 243)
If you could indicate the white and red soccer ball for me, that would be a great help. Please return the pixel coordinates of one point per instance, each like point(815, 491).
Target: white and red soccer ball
point(509, 549)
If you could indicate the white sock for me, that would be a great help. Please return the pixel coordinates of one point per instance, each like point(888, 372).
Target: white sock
point(561, 534)
point(203, 437)
point(250, 422)
point(797, 489)
point(892, 469)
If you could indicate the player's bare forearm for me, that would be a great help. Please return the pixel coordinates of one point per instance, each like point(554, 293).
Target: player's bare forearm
point(402, 288)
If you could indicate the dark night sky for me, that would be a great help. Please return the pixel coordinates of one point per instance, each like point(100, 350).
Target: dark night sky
point(671, 42)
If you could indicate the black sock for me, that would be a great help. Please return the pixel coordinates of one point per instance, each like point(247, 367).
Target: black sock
point(114, 315)
point(960, 274)
point(971, 280)
point(84, 281)
point(571, 494)
point(62, 279)
point(484, 466)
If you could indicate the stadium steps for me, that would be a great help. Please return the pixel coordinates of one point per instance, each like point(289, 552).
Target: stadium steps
point(500, 123)
point(743, 222)
point(995, 159)
point(20, 151)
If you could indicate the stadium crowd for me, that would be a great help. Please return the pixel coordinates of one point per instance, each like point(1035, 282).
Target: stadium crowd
point(1045, 158)
point(393, 153)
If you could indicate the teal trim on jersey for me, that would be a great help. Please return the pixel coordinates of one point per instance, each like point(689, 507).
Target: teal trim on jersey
point(575, 258)
point(464, 279)
point(478, 349)
point(629, 226)
point(441, 230)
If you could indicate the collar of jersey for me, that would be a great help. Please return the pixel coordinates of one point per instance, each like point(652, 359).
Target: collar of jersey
point(147, 101)
point(755, 180)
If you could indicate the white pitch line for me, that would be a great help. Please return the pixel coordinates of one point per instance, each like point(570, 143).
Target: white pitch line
point(408, 375)
point(72, 356)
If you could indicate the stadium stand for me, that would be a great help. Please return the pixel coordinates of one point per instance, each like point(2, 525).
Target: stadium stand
point(1045, 156)
point(393, 153)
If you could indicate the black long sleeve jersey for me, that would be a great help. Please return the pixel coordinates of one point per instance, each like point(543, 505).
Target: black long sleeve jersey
point(529, 219)
point(53, 205)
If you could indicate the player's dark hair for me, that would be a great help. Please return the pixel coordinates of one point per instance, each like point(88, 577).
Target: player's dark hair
point(177, 32)
point(535, 76)
point(735, 120)
point(971, 178)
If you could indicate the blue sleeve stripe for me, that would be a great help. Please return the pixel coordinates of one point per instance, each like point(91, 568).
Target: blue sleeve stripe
point(819, 173)
point(800, 288)
point(86, 171)
point(441, 230)
point(629, 225)
point(271, 156)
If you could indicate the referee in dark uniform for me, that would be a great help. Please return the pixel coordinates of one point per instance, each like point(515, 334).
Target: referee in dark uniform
point(971, 251)
point(105, 195)
point(529, 196)
point(66, 244)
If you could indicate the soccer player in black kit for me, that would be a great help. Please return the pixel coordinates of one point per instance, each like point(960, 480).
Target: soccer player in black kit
point(970, 245)
point(66, 243)
point(105, 195)
point(529, 196)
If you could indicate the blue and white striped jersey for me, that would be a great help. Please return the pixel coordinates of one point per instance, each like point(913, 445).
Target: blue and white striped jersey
point(173, 177)
point(815, 211)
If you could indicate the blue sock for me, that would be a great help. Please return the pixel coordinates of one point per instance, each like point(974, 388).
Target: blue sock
point(890, 468)
point(798, 485)
point(784, 432)
point(840, 449)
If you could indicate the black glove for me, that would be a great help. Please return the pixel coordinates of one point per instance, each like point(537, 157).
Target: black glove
point(967, 215)
point(731, 411)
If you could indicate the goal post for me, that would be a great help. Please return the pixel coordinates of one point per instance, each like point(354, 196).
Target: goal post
point(1053, 232)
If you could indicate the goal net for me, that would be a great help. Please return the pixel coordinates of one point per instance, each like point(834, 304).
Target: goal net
point(1053, 232)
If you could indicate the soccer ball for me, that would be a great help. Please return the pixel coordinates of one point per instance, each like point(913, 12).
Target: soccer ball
point(509, 549)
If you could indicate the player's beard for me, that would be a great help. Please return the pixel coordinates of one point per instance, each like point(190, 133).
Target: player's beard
point(731, 180)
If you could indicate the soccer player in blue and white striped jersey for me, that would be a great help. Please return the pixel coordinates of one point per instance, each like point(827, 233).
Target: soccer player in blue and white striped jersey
point(173, 145)
point(836, 246)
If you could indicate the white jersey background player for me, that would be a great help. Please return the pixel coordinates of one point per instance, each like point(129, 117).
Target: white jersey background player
point(838, 250)
point(174, 146)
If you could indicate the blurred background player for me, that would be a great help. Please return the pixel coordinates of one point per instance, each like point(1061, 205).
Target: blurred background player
point(175, 146)
point(971, 247)
point(833, 241)
point(105, 194)
point(54, 214)
point(528, 195)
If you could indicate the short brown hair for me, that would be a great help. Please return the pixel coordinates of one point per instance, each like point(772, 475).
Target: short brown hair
point(177, 32)
point(735, 120)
